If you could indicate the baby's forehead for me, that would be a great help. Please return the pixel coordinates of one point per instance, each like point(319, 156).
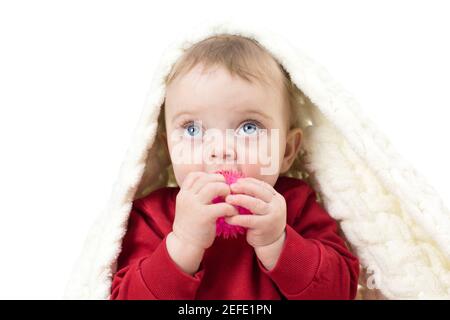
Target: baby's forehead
point(191, 82)
point(206, 88)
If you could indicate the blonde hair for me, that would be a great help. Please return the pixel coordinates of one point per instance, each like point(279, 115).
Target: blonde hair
point(243, 57)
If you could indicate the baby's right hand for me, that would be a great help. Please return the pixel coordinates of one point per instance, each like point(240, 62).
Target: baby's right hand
point(195, 215)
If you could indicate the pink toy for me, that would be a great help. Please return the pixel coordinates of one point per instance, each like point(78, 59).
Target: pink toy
point(222, 228)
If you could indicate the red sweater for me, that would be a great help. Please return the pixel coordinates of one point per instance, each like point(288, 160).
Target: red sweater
point(314, 263)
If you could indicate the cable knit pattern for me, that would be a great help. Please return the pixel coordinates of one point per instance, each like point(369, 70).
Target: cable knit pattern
point(392, 218)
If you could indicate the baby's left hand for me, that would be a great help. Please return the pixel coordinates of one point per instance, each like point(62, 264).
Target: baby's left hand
point(268, 222)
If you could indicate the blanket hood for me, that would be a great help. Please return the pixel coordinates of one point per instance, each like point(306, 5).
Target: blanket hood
point(391, 217)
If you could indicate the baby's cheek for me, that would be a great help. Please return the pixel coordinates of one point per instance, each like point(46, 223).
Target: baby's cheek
point(255, 171)
point(185, 157)
point(185, 151)
point(253, 151)
point(260, 160)
point(259, 153)
point(181, 171)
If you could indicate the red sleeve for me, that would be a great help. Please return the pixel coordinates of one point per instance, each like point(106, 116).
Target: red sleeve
point(315, 262)
point(145, 269)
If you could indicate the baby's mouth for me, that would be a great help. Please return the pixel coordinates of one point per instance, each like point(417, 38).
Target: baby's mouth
point(223, 169)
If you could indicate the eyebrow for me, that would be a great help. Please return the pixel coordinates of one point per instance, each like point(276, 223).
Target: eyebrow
point(252, 111)
point(258, 112)
point(183, 113)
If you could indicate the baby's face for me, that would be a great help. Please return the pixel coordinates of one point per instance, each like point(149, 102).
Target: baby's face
point(215, 121)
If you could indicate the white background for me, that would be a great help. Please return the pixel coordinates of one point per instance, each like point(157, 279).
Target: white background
point(74, 76)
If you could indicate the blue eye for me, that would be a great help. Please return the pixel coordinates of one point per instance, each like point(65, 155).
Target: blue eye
point(192, 129)
point(249, 128)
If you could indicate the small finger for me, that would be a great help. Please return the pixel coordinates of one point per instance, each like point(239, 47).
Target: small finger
point(255, 205)
point(260, 183)
point(200, 183)
point(223, 209)
point(212, 190)
point(245, 220)
point(252, 189)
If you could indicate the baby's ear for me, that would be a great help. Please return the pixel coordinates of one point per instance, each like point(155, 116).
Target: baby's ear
point(293, 143)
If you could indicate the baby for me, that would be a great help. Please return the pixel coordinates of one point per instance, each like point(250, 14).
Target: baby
point(230, 106)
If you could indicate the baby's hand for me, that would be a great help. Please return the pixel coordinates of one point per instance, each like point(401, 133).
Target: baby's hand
point(268, 222)
point(195, 216)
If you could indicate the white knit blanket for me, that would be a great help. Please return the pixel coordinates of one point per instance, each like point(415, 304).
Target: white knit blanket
point(392, 219)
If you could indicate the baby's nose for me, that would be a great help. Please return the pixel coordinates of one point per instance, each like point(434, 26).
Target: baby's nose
point(223, 153)
point(222, 149)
